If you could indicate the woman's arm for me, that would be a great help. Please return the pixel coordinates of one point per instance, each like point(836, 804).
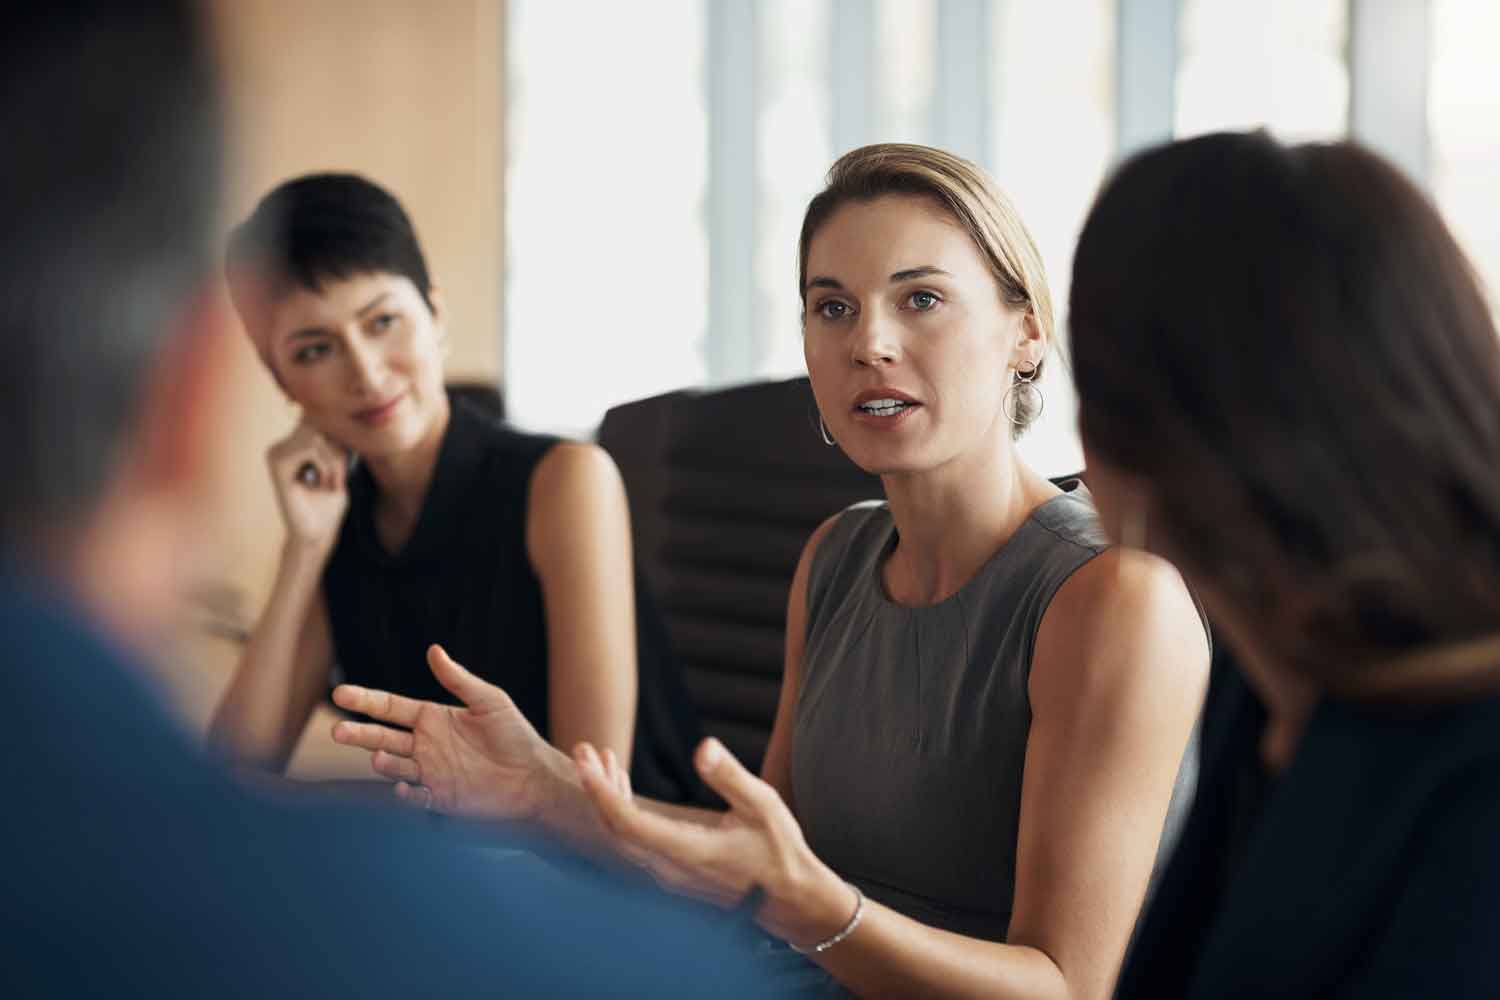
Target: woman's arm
point(578, 539)
point(1116, 682)
point(284, 669)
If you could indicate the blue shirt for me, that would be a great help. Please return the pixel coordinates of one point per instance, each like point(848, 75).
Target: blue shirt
point(136, 867)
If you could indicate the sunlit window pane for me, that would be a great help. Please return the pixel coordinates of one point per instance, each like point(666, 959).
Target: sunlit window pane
point(905, 69)
point(1054, 139)
point(1464, 128)
point(795, 152)
point(1274, 63)
point(607, 284)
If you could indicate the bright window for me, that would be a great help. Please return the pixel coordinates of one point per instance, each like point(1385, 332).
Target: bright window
point(795, 150)
point(1054, 139)
point(607, 292)
point(1274, 63)
point(1464, 129)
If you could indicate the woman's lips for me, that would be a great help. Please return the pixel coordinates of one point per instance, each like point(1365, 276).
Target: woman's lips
point(377, 415)
point(884, 410)
point(884, 393)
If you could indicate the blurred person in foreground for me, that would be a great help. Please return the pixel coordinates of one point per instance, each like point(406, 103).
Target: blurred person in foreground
point(137, 867)
point(1290, 387)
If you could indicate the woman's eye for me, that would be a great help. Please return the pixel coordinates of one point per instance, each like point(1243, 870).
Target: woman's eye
point(923, 301)
point(383, 322)
point(833, 309)
point(310, 353)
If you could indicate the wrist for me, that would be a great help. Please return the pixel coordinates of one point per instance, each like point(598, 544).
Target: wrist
point(812, 906)
point(300, 552)
point(558, 802)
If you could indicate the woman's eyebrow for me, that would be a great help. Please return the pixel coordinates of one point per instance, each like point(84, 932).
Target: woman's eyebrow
point(372, 303)
point(926, 271)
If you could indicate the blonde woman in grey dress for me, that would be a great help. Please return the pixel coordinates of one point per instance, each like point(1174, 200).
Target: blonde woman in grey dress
point(986, 707)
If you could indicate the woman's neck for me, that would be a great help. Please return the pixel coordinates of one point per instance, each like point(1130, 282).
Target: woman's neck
point(402, 481)
point(952, 519)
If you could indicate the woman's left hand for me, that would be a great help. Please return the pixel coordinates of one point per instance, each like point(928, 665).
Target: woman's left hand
point(757, 844)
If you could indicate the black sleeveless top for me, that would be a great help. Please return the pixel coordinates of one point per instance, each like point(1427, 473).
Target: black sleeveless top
point(464, 580)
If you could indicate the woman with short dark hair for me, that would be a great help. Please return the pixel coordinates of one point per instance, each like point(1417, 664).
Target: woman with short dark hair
point(414, 517)
point(1290, 383)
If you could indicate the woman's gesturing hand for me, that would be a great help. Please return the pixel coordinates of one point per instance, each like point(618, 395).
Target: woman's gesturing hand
point(483, 760)
point(756, 845)
point(308, 472)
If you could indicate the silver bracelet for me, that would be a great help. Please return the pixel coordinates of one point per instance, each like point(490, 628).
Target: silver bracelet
point(822, 946)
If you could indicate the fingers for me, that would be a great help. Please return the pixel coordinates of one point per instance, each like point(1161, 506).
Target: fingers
point(369, 736)
point(388, 765)
point(617, 775)
point(680, 856)
point(461, 684)
point(681, 843)
point(310, 459)
point(419, 796)
point(745, 793)
point(380, 705)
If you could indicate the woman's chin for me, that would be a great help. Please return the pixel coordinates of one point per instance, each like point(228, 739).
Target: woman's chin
point(888, 459)
point(389, 439)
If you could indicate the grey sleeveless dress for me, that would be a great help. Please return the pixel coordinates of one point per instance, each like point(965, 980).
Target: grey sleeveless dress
point(911, 723)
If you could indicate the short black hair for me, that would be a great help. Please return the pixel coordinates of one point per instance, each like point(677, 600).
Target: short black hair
point(1289, 345)
point(326, 226)
point(109, 188)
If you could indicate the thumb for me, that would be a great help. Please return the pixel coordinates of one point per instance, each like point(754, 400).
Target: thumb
point(743, 791)
point(463, 685)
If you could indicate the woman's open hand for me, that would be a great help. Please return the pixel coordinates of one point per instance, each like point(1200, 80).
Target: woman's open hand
point(484, 759)
point(756, 845)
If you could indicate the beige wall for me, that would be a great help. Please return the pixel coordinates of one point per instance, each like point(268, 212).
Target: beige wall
point(407, 92)
point(404, 91)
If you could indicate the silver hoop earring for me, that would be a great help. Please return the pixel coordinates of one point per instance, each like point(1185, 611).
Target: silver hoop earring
point(823, 430)
point(1023, 401)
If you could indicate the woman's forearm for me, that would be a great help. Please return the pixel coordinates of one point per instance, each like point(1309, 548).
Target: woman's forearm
point(268, 700)
point(892, 955)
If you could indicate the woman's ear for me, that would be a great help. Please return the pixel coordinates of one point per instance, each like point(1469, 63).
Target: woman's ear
point(1031, 345)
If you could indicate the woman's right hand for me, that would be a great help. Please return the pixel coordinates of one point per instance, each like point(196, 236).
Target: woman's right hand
point(483, 760)
point(309, 471)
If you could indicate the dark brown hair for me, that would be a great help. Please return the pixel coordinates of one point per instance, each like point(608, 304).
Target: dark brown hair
point(1289, 347)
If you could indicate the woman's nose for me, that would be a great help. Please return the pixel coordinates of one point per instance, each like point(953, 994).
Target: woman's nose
point(366, 366)
point(875, 342)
